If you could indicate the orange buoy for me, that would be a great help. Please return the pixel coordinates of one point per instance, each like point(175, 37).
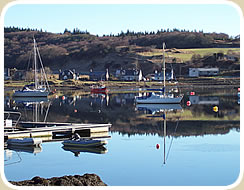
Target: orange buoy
point(157, 146)
point(63, 97)
point(192, 93)
point(188, 103)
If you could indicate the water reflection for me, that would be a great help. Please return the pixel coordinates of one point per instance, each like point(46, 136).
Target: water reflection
point(204, 100)
point(193, 139)
point(128, 118)
point(155, 108)
point(78, 150)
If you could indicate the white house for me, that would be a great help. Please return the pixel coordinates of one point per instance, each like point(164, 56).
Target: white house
point(196, 72)
point(129, 75)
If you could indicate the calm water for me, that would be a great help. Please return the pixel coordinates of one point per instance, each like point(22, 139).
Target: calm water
point(201, 147)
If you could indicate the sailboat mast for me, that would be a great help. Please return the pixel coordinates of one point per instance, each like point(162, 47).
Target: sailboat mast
point(164, 68)
point(35, 69)
point(165, 138)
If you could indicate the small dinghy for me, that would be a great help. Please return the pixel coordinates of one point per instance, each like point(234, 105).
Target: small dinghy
point(77, 141)
point(25, 142)
point(84, 143)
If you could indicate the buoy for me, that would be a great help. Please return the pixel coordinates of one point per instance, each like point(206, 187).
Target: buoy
point(192, 93)
point(239, 89)
point(188, 103)
point(75, 110)
point(63, 97)
point(157, 146)
point(215, 109)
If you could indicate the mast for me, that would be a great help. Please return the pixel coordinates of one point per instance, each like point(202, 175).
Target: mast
point(164, 137)
point(35, 66)
point(164, 68)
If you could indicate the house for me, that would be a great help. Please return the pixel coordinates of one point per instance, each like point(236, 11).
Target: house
point(129, 75)
point(159, 76)
point(99, 75)
point(19, 75)
point(196, 72)
point(67, 74)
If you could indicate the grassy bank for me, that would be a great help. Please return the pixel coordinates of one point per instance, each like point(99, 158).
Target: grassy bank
point(85, 85)
point(186, 54)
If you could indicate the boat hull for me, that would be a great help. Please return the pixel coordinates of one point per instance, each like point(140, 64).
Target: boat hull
point(24, 142)
point(94, 150)
point(30, 94)
point(175, 100)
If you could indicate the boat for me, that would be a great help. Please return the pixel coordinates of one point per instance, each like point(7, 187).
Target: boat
point(162, 98)
point(82, 142)
point(99, 89)
point(24, 142)
point(38, 88)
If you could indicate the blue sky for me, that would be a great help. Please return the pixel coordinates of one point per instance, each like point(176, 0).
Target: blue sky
point(106, 18)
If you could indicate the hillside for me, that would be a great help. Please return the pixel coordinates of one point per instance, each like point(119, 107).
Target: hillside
point(83, 51)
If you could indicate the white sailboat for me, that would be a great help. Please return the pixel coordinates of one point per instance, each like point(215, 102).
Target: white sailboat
point(39, 89)
point(159, 98)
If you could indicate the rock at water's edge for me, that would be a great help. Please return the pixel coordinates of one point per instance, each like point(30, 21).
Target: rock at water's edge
point(76, 180)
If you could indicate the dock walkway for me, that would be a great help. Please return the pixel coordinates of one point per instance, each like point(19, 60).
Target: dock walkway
point(43, 129)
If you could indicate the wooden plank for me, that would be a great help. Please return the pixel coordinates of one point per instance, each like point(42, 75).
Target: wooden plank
point(28, 134)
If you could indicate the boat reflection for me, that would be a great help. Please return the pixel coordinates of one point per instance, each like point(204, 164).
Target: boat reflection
point(78, 150)
point(38, 106)
point(160, 111)
point(27, 149)
point(157, 108)
point(29, 100)
point(12, 153)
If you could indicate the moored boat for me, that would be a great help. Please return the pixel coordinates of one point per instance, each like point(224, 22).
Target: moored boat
point(99, 89)
point(38, 89)
point(162, 98)
point(25, 142)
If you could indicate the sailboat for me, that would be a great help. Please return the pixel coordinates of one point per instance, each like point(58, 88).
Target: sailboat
point(164, 98)
point(39, 87)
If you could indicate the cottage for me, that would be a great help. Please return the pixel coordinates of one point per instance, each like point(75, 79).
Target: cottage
point(159, 76)
point(19, 75)
point(196, 72)
point(98, 75)
point(129, 75)
point(67, 74)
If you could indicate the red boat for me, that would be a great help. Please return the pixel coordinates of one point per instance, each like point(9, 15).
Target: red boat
point(99, 89)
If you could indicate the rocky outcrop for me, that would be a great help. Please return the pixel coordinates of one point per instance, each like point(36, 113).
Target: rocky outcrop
point(76, 180)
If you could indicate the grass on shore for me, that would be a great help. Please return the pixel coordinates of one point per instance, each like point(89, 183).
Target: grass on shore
point(186, 54)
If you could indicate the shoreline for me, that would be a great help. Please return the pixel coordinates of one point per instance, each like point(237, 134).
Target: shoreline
point(85, 85)
point(76, 180)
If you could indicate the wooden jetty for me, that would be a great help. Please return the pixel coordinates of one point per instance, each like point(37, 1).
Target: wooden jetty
point(45, 129)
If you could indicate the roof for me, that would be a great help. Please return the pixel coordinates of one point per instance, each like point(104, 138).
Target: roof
point(130, 72)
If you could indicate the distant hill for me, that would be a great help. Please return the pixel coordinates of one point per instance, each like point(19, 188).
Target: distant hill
point(83, 51)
